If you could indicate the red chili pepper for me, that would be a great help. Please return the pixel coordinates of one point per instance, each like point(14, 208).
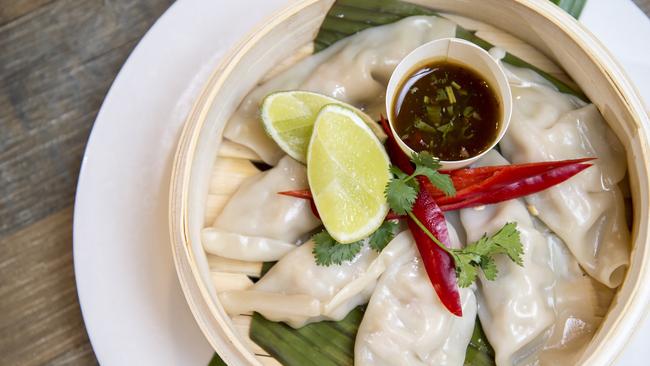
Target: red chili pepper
point(298, 193)
point(439, 264)
point(402, 161)
point(304, 194)
point(314, 210)
point(502, 183)
point(393, 216)
point(529, 168)
point(470, 180)
point(504, 175)
point(501, 186)
point(474, 187)
point(397, 155)
point(523, 187)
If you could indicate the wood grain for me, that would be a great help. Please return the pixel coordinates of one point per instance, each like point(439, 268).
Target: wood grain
point(60, 62)
point(644, 5)
point(40, 313)
point(57, 61)
point(11, 10)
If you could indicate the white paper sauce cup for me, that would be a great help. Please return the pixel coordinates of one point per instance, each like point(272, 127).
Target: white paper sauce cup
point(460, 52)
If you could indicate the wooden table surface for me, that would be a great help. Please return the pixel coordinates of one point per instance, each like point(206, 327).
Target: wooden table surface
point(57, 60)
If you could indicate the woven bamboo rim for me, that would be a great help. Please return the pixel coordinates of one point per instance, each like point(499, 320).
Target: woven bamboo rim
point(536, 22)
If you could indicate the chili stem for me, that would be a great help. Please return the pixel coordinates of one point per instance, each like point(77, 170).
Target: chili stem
point(410, 177)
point(429, 234)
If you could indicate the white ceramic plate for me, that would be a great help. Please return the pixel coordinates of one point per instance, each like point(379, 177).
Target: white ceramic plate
point(132, 304)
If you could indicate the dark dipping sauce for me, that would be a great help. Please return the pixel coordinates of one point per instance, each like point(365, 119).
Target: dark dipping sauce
point(448, 110)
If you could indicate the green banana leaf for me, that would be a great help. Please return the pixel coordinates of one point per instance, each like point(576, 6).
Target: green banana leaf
point(216, 361)
point(573, 7)
point(332, 343)
point(324, 343)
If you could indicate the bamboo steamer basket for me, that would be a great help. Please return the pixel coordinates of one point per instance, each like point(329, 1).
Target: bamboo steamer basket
point(207, 169)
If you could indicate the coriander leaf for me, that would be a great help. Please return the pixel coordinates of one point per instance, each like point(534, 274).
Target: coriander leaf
point(489, 268)
point(427, 165)
point(400, 196)
point(423, 126)
point(480, 254)
point(441, 95)
point(397, 172)
point(433, 113)
point(465, 270)
point(413, 183)
point(425, 159)
point(445, 129)
point(481, 247)
point(443, 182)
point(328, 251)
point(423, 170)
point(509, 240)
point(382, 236)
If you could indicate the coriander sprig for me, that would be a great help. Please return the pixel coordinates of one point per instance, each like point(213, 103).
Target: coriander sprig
point(401, 193)
point(402, 190)
point(382, 236)
point(328, 251)
point(480, 254)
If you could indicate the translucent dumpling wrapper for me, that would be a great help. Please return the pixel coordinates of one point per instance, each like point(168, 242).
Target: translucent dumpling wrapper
point(257, 223)
point(297, 291)
point(243, 247)
point(547, 308)
point(406, 324)
point(580, 304)
point(587, 212)
point(355, 70)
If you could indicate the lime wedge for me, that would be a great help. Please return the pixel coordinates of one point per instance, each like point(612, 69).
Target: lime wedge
point(347, 168)
point(288, 117)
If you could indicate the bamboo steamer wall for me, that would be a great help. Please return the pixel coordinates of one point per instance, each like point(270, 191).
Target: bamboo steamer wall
point(207, 170)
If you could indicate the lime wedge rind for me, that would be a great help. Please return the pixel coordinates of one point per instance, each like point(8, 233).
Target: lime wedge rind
point(340, 177)
point(280, 109)
point(268, 122)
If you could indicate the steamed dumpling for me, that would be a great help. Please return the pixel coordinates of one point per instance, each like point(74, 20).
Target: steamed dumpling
point(297, 291)
point(405, 322)
point(587, 211)
point(514, 309)
point(543, 310)
point(355, 70)
point(257, 223)
point(580, 304)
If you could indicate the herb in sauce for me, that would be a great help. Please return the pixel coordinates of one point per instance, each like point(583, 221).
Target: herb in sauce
point(448, 110)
